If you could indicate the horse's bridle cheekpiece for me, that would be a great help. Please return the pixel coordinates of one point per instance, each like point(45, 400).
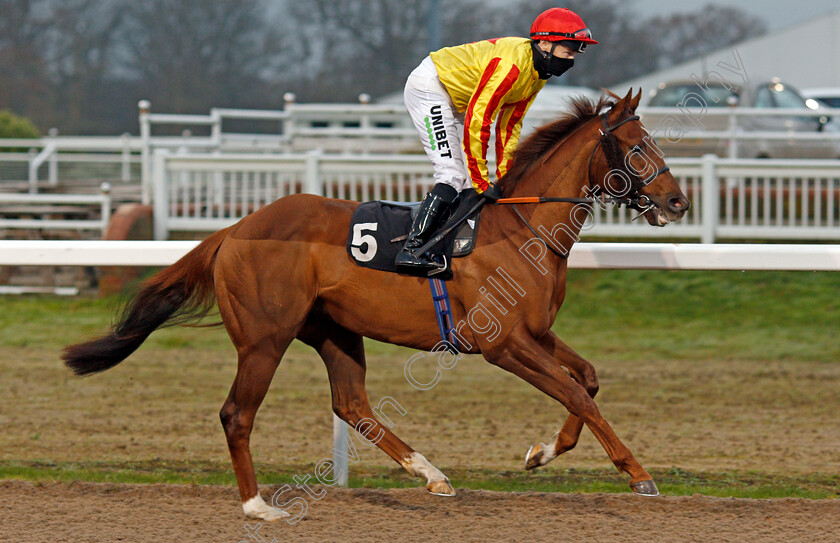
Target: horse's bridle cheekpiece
point(632, 197)
point(612, 151)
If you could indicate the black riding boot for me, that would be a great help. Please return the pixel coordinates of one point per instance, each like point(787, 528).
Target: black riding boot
point(431, 210)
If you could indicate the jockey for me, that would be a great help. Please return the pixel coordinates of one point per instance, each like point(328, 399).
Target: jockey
point(456, 94)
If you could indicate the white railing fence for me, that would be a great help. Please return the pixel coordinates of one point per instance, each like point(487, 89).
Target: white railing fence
point(338, 128)
point(743, 199)
point(201, 193)
point(39, 211)
point(366, 128)
point(69, 158)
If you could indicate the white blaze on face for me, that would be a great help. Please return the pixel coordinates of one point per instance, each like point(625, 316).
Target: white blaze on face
point(417, 465)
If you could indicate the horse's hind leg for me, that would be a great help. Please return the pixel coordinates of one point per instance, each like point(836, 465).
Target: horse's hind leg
point(567, 437)
point(262, 312)
point(257, 364)
point(343, 353)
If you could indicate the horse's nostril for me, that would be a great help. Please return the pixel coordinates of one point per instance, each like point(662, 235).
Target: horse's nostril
point(678, 204)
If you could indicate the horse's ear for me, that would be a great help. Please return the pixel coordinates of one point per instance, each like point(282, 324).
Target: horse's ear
point(634, 103)
point(611, 93)
point(625, 103)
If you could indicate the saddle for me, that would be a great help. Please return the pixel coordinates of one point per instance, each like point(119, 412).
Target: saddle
point(378, 230)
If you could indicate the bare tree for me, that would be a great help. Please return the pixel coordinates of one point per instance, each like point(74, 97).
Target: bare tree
point(189, 55)
point(684, 36)
point(81, 46)
point(83, 64)
point(472, 20)
point(24, 85)
point(622, 52)
point(354, 46)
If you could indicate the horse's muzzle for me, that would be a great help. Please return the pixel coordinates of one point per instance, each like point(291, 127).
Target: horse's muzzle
point(678, 204)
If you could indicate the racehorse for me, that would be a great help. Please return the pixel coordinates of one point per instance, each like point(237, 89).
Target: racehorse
point(283, 273)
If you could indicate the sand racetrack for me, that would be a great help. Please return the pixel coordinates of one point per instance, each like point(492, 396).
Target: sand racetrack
point(95, 512)
point(749, 424)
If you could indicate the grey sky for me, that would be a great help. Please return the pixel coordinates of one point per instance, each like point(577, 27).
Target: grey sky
point(776, 13)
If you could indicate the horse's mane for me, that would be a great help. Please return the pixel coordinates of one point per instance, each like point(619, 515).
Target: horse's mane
point(548, 136)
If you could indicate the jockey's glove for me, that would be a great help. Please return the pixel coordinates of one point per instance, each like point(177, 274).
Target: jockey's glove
point(492, 193)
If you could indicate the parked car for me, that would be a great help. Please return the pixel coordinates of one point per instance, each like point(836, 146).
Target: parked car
point(826, 98)
point(770, 94)
point(829, 97)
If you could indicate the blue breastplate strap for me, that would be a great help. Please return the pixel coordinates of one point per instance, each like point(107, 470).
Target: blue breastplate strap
point(443, 312)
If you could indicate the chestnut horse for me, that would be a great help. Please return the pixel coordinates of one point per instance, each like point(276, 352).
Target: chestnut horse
point(283, 273)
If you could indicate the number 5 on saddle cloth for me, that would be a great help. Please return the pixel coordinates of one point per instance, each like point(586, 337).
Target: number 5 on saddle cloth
point(379, 229)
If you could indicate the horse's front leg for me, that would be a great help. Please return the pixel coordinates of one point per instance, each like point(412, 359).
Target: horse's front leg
point(523, 356)
point(567, 437)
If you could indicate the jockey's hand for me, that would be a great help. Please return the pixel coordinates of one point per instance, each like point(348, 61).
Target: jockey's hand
point(492, 193)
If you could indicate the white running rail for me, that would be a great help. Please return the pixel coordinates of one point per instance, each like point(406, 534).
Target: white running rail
point(644, 256)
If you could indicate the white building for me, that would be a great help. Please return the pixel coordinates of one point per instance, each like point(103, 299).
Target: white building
point(805, 55)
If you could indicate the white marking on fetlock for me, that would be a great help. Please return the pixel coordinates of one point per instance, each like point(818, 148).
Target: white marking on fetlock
point(257, 508)
point(549, 453)
point(541, 452)
point(417, 465)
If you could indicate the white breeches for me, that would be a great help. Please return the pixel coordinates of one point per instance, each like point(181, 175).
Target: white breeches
point(440, 125)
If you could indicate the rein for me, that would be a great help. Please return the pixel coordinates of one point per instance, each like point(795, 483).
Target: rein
point(633, 198)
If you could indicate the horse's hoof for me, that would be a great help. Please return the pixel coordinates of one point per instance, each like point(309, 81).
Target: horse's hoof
point(258, 509)
point(441, 488)
point(645, 488)
point(273, 514)
point(535, 455)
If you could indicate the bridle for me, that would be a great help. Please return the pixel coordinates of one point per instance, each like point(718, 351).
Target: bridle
point(632, 198)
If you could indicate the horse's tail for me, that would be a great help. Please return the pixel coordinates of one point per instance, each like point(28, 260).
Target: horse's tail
point(181, 293)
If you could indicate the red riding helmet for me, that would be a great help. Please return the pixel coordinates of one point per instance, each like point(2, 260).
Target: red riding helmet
point(561, 24)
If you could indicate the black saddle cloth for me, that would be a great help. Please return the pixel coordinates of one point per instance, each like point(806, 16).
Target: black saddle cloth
point(378, 231)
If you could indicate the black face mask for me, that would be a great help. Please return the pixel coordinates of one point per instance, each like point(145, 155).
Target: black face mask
point(559, 66)
point(547, 64)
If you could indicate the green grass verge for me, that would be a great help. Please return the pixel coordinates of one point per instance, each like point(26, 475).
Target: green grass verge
point(671, 482)
point(617, 313)
point(692, 315)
